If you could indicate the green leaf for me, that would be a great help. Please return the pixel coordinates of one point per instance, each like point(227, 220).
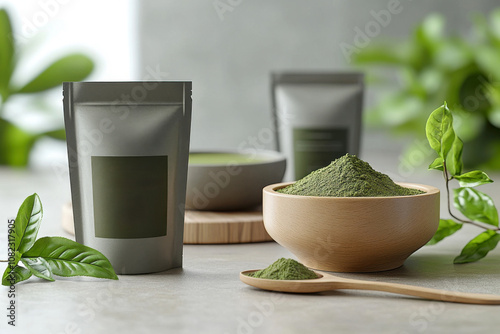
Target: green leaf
point(431, 80)
point(18, 274)
point(454, 163)
point(75, 67)
point(27, 223)
point(446, 228)
point(38, 267)
point(437, 164)
point(493, 92)
point(6, 53)
point(431, 31)
point(56, 134)
point(473, 179)
point(68, 258)
point(487, 59)
point(439, 131)
point(476, 205)
point(495, 24)
point(478, 247)
point(397, 110)
point(15, 144)
point(26, 226)
point(472, 93)
point(382, 55)
point(452, 54)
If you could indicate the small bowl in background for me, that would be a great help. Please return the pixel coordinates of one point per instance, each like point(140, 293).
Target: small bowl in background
point(231, 181)
point(351, 234)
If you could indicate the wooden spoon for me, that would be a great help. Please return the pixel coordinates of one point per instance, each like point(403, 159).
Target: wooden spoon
point(327, 282)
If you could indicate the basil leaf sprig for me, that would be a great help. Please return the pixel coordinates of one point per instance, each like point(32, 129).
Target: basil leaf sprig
point(48, 256)
point(476, 206)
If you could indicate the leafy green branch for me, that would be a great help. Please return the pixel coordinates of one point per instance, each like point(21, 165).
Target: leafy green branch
point(15, 142)
point(48, 256)
point(476, 206)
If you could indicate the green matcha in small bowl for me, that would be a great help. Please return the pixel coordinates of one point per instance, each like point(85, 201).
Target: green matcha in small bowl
point(347, 217)
point(231, 180)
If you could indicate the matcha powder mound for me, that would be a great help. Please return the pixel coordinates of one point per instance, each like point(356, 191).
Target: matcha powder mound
point(347, 176)
point(285, 269)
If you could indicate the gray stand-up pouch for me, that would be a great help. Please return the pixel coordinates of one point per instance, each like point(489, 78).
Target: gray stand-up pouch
point(317, 118)
point(128, 148)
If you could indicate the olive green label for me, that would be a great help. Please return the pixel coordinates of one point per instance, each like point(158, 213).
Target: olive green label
point(316, 148)
point(130, 196)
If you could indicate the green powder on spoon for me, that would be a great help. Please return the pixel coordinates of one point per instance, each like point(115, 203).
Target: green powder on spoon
point(285, 269)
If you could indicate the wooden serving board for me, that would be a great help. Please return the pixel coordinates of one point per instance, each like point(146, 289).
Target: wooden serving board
point(208, 227)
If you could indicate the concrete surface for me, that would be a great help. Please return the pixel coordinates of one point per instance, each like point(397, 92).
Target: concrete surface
point(206, 296)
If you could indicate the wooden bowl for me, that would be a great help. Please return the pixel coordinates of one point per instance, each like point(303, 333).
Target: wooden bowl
point(351, 234)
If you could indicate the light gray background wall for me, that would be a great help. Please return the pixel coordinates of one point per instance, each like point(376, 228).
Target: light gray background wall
point(229, 55)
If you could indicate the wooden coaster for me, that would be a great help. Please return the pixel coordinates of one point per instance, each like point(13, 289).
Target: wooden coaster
point(210, 227)
point(207, 227)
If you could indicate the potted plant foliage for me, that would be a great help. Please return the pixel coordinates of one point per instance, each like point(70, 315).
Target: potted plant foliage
point(431, 67)
point(16, 143)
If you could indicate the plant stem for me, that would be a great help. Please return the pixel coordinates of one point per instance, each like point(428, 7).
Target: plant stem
point(4, 261)
point(447, 180)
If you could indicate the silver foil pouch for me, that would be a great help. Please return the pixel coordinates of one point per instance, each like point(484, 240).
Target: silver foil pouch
point(128, 148)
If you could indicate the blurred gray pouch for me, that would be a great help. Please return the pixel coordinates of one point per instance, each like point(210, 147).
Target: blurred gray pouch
point(317, 118)
point(128, 148)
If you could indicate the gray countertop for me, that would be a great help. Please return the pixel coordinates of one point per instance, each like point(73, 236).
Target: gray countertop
point(206, 296)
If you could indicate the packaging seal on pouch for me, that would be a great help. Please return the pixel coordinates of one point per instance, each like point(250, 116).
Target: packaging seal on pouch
point(317, 118)
point(128, 148)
